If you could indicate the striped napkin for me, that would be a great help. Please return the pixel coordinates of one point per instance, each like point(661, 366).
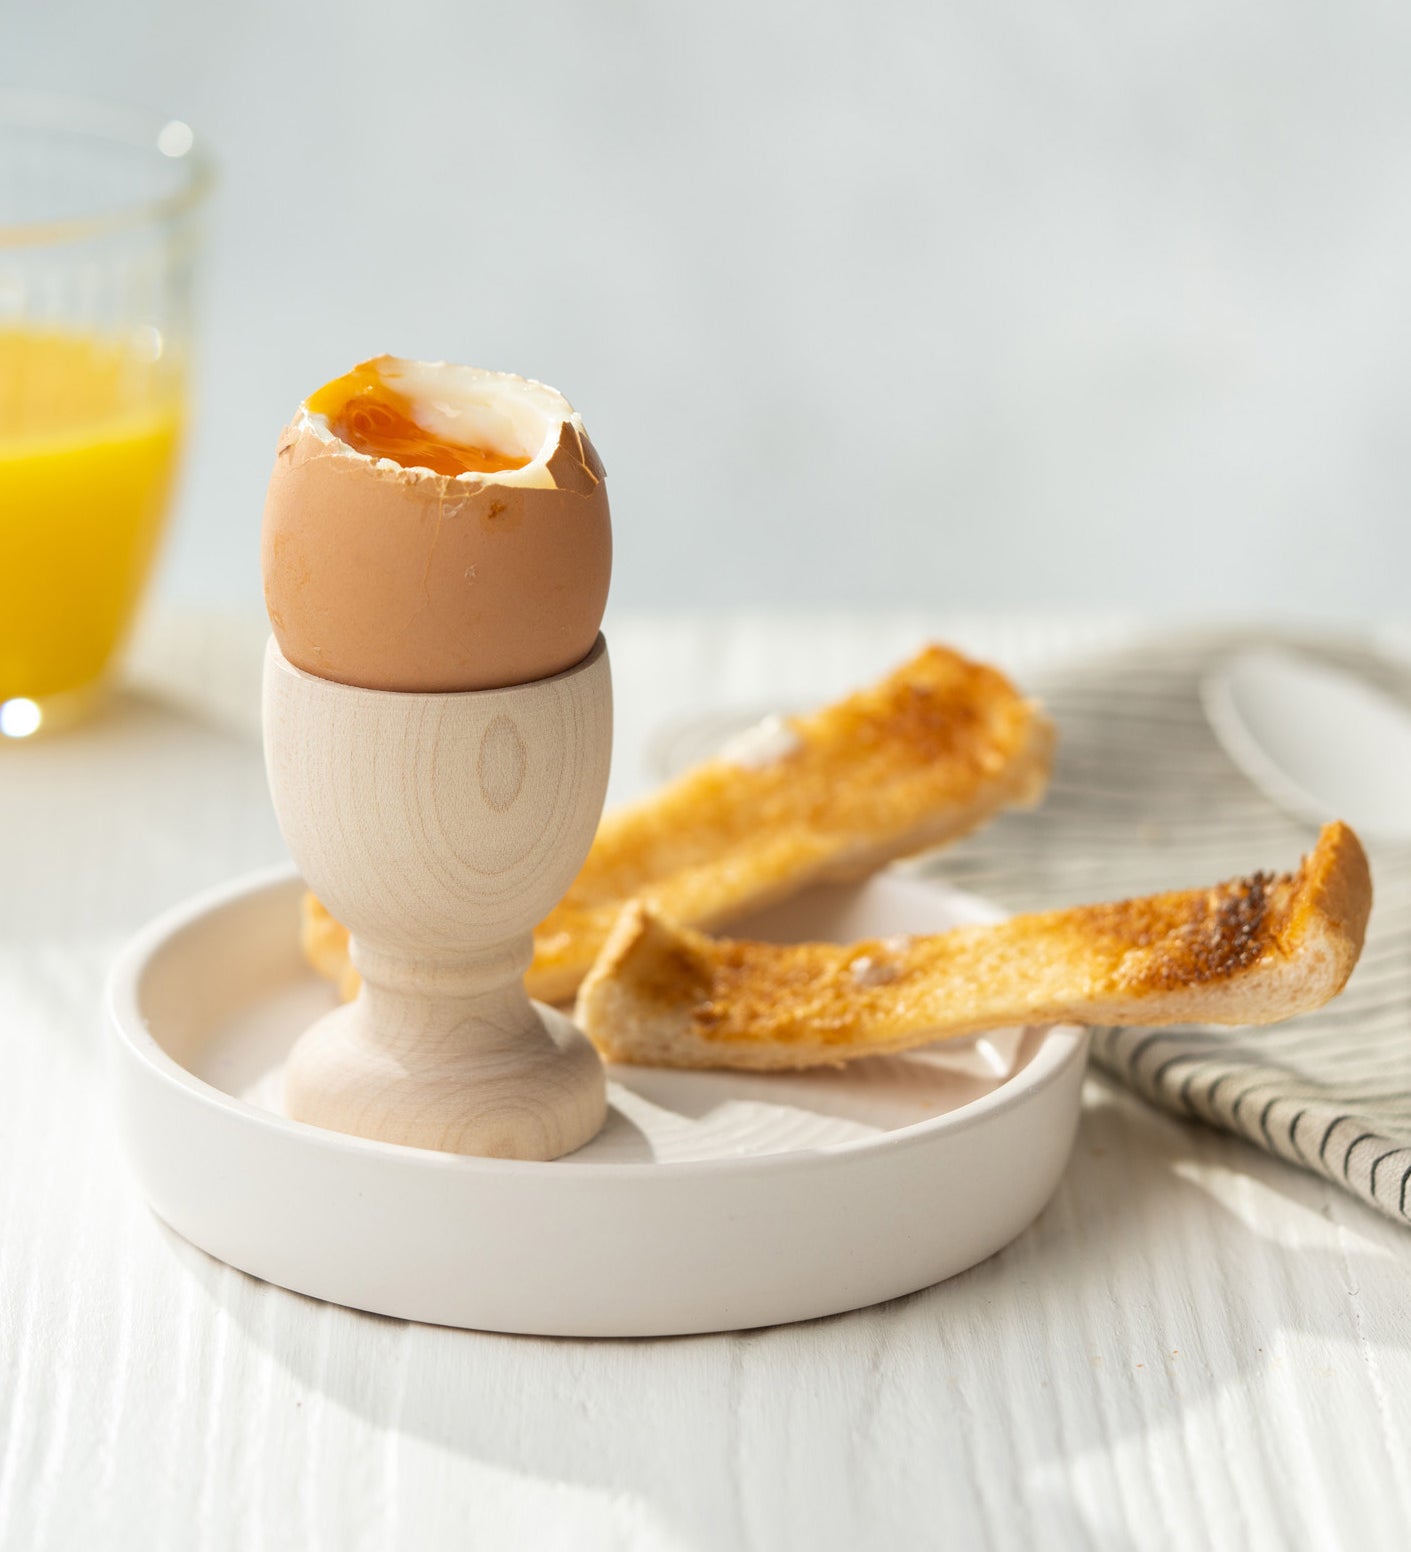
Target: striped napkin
point(1143, 799)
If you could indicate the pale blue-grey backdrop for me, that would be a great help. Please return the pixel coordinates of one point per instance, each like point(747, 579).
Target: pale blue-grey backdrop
point(1076, 305)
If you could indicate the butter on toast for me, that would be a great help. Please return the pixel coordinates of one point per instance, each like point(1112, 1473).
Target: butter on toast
point(1251, 951)
point(924, 756)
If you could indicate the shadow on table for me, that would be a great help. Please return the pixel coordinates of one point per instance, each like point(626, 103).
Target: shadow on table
point(988, 1406)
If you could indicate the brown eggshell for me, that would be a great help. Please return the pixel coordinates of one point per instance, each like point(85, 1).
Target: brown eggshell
point(400, 579)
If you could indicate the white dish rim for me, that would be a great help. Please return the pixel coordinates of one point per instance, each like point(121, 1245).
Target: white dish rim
point(1059, 1046)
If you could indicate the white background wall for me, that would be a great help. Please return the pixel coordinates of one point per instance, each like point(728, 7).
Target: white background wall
point(978, 303)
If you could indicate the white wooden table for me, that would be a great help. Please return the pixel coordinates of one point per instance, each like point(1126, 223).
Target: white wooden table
point(1195, 1346)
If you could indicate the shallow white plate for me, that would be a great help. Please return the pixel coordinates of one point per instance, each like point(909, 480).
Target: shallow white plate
point(709, 1202)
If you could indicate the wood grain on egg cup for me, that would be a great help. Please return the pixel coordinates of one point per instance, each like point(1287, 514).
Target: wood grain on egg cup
point(442, 828)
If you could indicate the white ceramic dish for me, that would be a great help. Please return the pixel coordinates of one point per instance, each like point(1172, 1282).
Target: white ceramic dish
point(710, 1201)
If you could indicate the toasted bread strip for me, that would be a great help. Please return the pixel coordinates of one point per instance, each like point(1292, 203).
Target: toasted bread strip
point(1248, 952)
point(924, 756)
point(325, 944)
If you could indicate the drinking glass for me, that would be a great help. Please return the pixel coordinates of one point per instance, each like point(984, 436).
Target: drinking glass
point(99, 213)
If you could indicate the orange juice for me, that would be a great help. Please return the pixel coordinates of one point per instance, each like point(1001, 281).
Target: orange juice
point(89, 432)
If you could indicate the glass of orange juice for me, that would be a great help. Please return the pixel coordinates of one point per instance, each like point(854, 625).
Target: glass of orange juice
point(99, 212)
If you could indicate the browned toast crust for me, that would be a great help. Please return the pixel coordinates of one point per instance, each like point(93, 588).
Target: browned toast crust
point(922, 757)
point(1250, 951)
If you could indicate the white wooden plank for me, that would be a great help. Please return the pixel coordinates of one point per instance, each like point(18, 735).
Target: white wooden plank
point(1194, 1347)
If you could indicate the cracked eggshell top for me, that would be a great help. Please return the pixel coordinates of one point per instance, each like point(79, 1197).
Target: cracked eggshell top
point(397, 578)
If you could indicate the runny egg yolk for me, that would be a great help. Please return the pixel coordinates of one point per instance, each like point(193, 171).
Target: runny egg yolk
point(371, 417)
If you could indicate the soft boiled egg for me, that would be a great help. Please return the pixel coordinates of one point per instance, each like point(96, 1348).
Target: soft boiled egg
point(435, 527)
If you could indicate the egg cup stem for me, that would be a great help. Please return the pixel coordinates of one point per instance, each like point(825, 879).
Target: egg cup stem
point(441, 828)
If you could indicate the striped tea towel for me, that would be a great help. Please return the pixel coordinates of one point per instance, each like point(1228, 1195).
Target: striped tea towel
point(1143, 799)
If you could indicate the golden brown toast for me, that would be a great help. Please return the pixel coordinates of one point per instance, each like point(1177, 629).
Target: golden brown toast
point(325, 944)
point(922, 757)
point(1252, 951)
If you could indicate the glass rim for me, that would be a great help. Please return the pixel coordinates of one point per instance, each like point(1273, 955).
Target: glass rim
point(135, 127)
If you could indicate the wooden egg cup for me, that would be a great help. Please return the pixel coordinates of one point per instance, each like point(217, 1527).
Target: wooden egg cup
point(441, 829)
